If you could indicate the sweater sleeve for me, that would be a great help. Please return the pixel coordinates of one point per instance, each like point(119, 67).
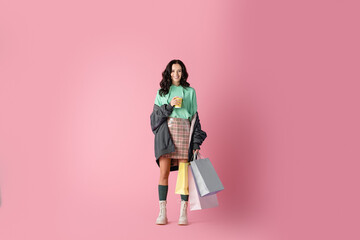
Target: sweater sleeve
point(194, 104)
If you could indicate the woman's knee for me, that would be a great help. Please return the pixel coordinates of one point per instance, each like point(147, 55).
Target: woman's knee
point(164, 172)
point(164, 175)
point(164, 167)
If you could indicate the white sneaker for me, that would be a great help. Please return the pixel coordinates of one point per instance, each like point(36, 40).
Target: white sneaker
point(183, 213)
point(162, 219)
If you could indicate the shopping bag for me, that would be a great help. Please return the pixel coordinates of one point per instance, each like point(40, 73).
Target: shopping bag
point(182, 184)
point(195, 201)
point(206, 178)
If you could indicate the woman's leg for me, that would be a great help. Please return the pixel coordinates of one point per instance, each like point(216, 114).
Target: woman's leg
point(164, 170)
point(184, 202)
point(164, 176)
point(184, 197)
point(163, 189)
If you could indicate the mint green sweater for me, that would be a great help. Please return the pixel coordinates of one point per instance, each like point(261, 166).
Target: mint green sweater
point(189, 104)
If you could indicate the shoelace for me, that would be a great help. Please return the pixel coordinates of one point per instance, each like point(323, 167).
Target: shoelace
point(162, 209)
point(184, 207)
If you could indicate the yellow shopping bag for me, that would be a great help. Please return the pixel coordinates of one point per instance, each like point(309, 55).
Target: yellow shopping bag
point(182, 184)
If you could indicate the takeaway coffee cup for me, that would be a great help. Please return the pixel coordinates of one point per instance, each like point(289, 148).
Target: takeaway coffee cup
point(179, 105)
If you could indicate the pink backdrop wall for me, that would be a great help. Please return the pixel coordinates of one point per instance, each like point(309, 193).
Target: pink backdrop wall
point(277, 88)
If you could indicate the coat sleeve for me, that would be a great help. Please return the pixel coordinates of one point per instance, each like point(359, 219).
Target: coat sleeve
point(159, 115)
point(199, 135)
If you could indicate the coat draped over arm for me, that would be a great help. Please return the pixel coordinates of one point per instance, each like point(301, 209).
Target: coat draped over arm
point(163, 143)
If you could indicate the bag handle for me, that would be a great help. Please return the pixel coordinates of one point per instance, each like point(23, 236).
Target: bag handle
point(195, 156)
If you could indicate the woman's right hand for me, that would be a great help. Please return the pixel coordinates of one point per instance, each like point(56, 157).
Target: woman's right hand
point(174, 101)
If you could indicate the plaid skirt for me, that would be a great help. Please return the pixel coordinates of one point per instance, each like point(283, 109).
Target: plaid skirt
point(180, 132)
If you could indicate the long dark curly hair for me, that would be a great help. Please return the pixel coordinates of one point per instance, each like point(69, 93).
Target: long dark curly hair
point(166, 77)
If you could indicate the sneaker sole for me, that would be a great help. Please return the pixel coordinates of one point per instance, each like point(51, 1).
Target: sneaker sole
point(162, 223)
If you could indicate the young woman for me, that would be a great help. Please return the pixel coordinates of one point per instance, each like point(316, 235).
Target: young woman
point(178, 135)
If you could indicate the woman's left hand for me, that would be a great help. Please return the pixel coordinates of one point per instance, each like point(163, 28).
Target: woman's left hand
point(196, 150)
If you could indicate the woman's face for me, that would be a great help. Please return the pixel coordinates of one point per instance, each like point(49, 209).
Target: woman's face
point(176, 74)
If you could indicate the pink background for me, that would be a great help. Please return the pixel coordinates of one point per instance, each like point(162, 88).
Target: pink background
point(277, 85)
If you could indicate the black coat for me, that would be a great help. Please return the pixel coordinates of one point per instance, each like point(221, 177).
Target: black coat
point(163, 143)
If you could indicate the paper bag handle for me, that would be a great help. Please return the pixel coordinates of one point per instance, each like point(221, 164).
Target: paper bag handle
point(195, 155)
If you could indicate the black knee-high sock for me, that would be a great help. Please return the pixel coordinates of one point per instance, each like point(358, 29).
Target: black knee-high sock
point(185, 197)
point(163, 190)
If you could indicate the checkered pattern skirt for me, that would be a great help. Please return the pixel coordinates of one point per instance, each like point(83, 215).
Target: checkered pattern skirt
point(180, 132)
